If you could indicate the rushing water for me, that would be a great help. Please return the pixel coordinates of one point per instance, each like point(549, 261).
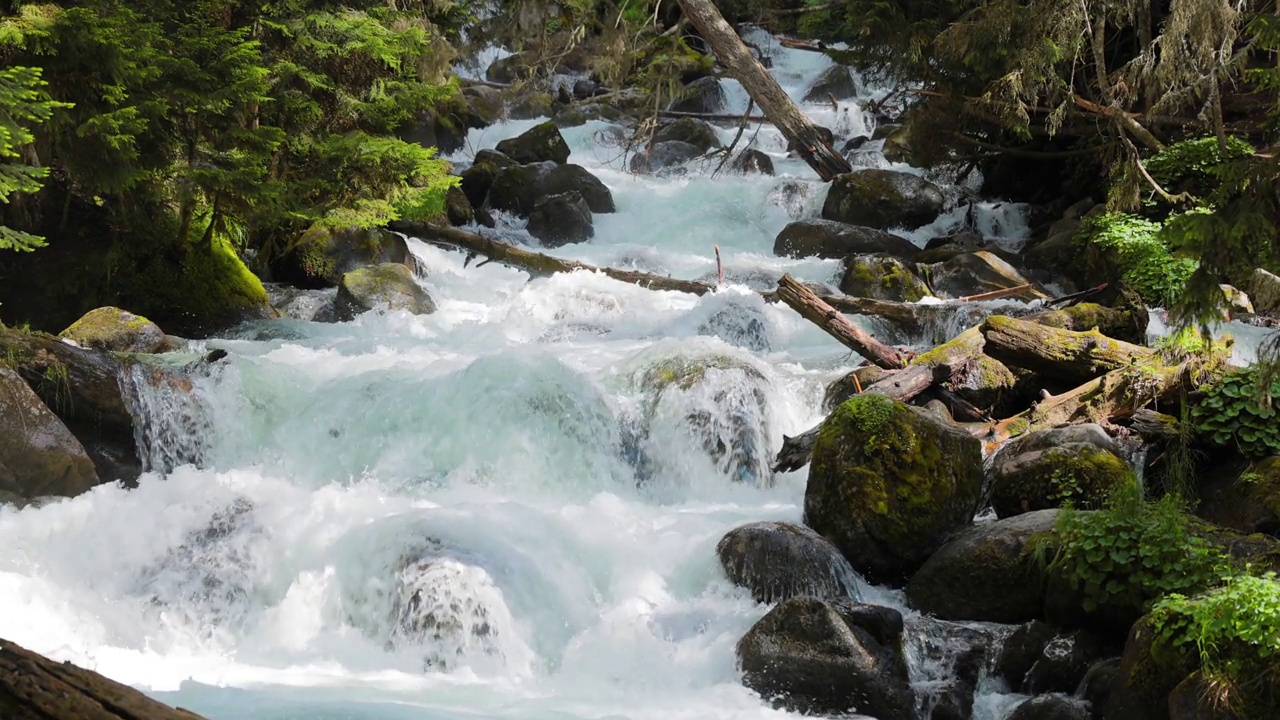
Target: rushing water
point(492, 511)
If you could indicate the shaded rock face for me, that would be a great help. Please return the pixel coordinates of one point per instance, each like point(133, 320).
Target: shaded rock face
point(541, 143)
point(983, 573)
point(830, 239)
point(1079, 464)
point(883, 199)
point(517, 189)
point(1150, 670)
point(116, 330)
point(664, 158)
point(697, 133)
point(777, 561)
point(1038, 658)
point(882, 277)
point(1264, 288)
point(816, 656)
point(1245, 499)
point(703, 95)
point(458, 208)
point(888, 483)
point(837, 82)
point(974, 273)
point(561, 219)
point(389, 286)
point(321, 256)
point(1051, 707)
point(38, 454)
point(575, 178)
point(752, 161)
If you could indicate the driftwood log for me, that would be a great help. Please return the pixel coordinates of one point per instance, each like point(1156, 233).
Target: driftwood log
point(1055, 353)
point(815, 310)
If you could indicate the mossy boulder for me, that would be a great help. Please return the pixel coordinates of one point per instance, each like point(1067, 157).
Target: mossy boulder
point(843, 388)
point(888, 483)
point(457, 208)
point(561, 219)
point(527, 105)
point(781, 560)
point(1150, 669)
point(883, 199)
point(881, 277)
point(837, 240)
point(389, 286)
point(974, 273)
point(1052, 468)
point(476, 181)
point(38, 454)
point(541, 143)
point(212, 291)
point(322, 255)
point(116, 330)
point(1243, 497)
point(698, 133)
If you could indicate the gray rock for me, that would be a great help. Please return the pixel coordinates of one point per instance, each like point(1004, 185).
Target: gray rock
point(1039, 658)
point(1051, 707)
point(561, 219)
point(703, 95)
point(752, 161)
point(116, 330)
point(1264, 287)
point(777, 561)
point(698, 133)
point(664, 157)
point(575, 178)
point(836, 82)
point(974, 273)
point(540, 143)
point(38, 454)
point(882, 277)
point(322, 256)
point(390, 286)
point(830, 239)
point(1078, 464)
point(518, 189)
point(882, 199)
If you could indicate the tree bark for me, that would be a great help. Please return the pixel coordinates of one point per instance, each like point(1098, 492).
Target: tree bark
point(1061, 354)
point(815, 310)
point(762, 88)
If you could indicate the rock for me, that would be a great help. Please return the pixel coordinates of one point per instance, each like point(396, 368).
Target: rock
point(493, 157)
point(974, 273)
point(664, 157)
point(883, 199)
point(1038, 658)
point(853, 145)
point(881, 277)
point(116, 330)
point(1264, 288)
point(322, 256)
point(963, 240)
point(517, 189)
point(703, 95)
point(1098, 685)
point(898, 147)
point(476, 181)
point(458, 208)
point(816, 656)
point(569, 116)
point(982, 574)
point(1150, 669)
point(575, 178)
point(752, 161)
point(541, 143)
point(390, 286)
point(739, 323)
point(527, 105)
point(484, 105)
point(1051, 468)
point(1058, 255)
point(1051, 707)
point(507, 70)
point(38, 454)
point(777, 561)
point(888, 483)
point(1237, 301)
point(1244, 499)
point(1194, 699)
point(846, 387)
point(561, 219)
point(837, 82)
point(586, 88)
point(830, 239)
point(697, 133)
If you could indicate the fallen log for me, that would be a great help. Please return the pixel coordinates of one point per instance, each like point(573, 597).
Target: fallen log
point(814, 309)
point(715, 117)
point(760, 85)
point(1112, 322)
point(1061, 354)
point(33, 687)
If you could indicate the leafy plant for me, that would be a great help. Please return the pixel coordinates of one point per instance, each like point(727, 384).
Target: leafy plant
point(1193, 165)
point(1235, 413)
point(1144, 260)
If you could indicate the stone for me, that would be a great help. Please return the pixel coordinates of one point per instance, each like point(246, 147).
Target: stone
point(1079, 464)
point(664, 158)
point(586, 88)
point(697, 133)
point(507, 70)
point(458, 208)
point(815, 656)
point(888, 483)
point(561, 219)
point(843, 388)
point(973, 273)
point(883, 199)
point(1039, 658)
point(38, 454)
point(116, 330)
point(476, 182)
point(703, 96)
point(484, 105)
point(390, 286)
point(1238, 302)
point(777, 561)
point(541, 143)
point(880, 276)
point(1264, 288)
point(984, 574)
point(1150, 670)
point(518, 189)
point(530, 104)
point(1245, 499)
point(323, 255)
point(836, 240)
point(575, 178)
point(1051, 707)
point(752, 161)
point(836, 82)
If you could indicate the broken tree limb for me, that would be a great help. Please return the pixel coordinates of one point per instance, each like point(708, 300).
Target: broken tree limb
point(1061, 354)
point(996, 294)
point(815, 310)
point(715, 117)
point(760, 85)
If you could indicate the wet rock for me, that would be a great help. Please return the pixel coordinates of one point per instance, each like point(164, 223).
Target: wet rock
point(518, 189)
point(1058, 254)
point(507, 70)
point(527, 105)
point(570, 116)
point(38, 454)
point(882, 199)
point(1038, 658)
point(698, 133)
point(390, 286)
point(846, 387)
point(777, 561)
point(1196, 699)
point(1264, 287)
point(881, 277)
point(586, 88)
point(458, 208)
point(837, 82)
point(964, 240)
point(541, 143)
point(888, 483)
point(664, 157)
point(703, 95)
point(484, 105)
point(854, 144)
point(739, 324)
point(982, 573)
point(322, 256)
point(974, 273)
point(1099, 684)
point(1051, 707)
point(476, 181)
point(561, 219)
point(792, 197)
point(752, 161)
point(116, 330)
point(830, 239)
point(817, 656)
point(1079, 464)
point(575, 178)
point(898, 146)
point(1246, 499)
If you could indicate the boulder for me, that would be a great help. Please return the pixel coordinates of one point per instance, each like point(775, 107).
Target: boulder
point(974, 273)
point(843, 388)
point(476, 181)
point(837, 82)
point(541, 143)
point(704, 96)
point(1150, 670)
point(323, 255)
point(390, 286)
point(585, 88)
point(1051, 707)
point(829, 656)
point(1238, 302)
point(1048, 469)
point(38, 454)
point(880, 276)
point(568, 116)
point(1099, 684)
point(1196, 698)
point(697, 133)
point(517, 189)
point(777, 561)
point(116, 330)
point(830, 239)
point(752, 161)
point(1246, 499)
point(575, 178)
point(1039, 658)
point(561, 219)
point(509, 69)
point(527, 104)
point(1264, 288)
point(458, 208)
point(484, 105)
point(985, 574)
point(883, 199)
point(888, 483)
point(664, 158)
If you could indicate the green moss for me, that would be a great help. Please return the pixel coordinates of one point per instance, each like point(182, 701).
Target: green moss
point(1080, 477)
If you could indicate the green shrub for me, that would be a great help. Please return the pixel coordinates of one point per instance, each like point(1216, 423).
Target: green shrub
point(1232, 414)
point(1192, 165)
point(1142, 257)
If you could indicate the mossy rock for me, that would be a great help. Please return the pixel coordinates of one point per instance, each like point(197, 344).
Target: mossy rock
point(38, 454)
point(1244, 498)
point(883, 199)
point(837, 240)
point(458, 208)
point(116, 330)
point(541, 143)
point(686, 372)
point(476, 181)
point(1080, 475)
point(388, 286)
point(888, 483)
point(843, 388)
point(1150, 669)
point(530, 105)
point(985, 382)
point(882, 277)
point(213, 290)
point(322, 255)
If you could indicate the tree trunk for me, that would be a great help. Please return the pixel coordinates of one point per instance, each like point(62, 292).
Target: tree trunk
point(1061, 354)
point(762, 88)
point(812, 308)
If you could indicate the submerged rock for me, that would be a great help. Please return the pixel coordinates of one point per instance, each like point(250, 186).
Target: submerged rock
point(390, 286)
point(113, 329)
point(663, 157)
point(777, 561)
point(518, 189)
point(883, 199)
point(837, 82)
point(541, 143)
point(831, 239)
point(38, 454)
point(698, 133)
point(1079, 464)
point(974, 273)
point(882, 277)
point(1039, 658)
point(888, 483)
point(561, 219)
point(752, 161)
point(816, 656)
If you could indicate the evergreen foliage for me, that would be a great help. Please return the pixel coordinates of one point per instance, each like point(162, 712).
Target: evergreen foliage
point(21, 106)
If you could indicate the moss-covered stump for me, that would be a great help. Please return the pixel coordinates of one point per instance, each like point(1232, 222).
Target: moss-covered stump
point(835, 240)
point(389, 286)
point(1078, 465)
point(985, 573)
point(540, 143)
point(116, 330)
point(888, 483)
point(321, 256)
point(975, 273)
point(38, 454)
point(780, 560)
point(883, 199)
point(1245, 498)
point(881, 277)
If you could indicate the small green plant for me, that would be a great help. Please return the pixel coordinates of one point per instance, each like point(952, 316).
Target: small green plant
point(1235, 413)
point(1192, 165)
point(1144, 260)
